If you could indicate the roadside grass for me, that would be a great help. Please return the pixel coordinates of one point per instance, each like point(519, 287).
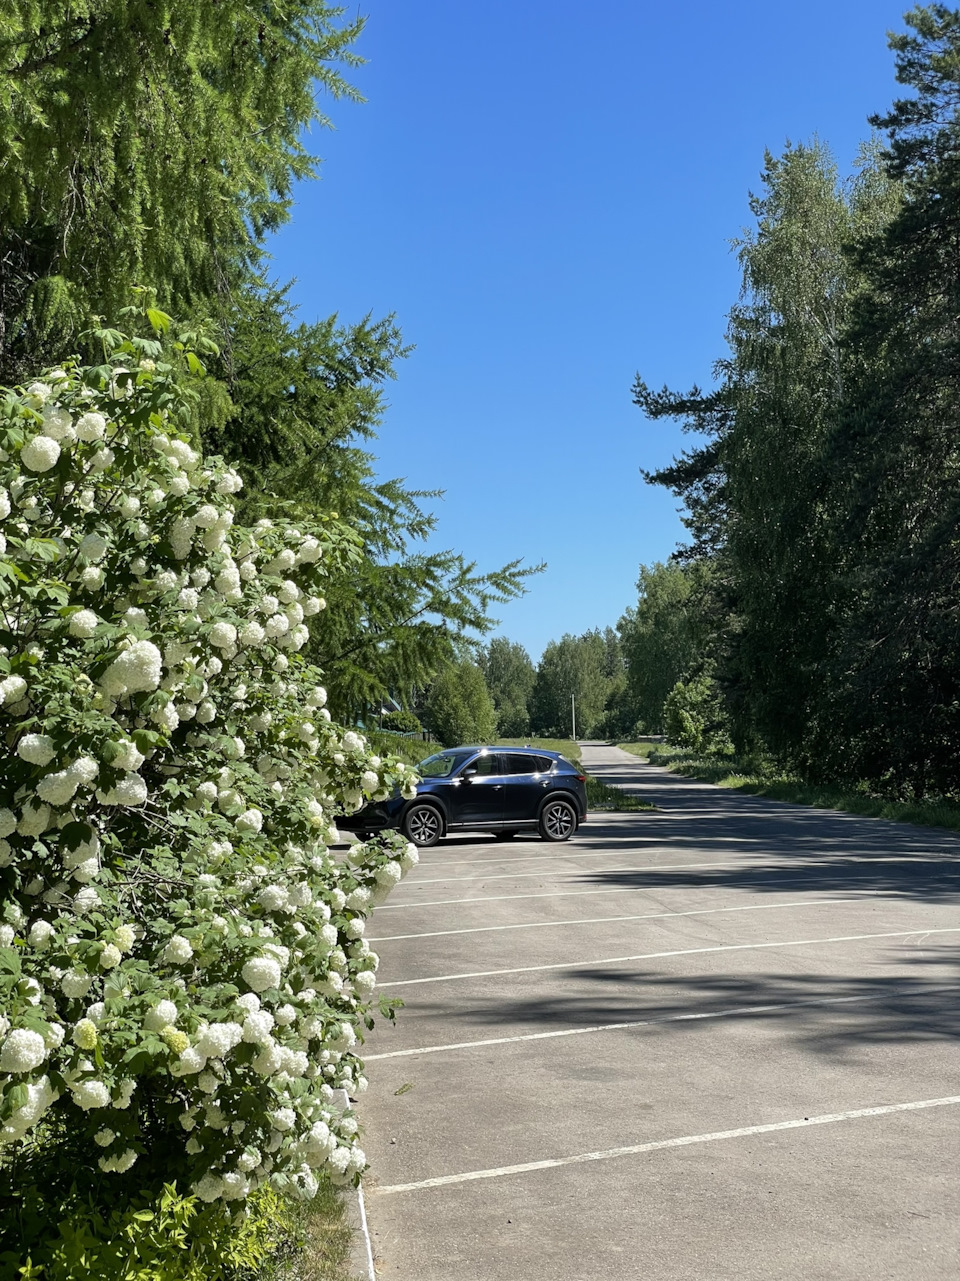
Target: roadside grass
point(600, 796)
point(759, 779)
point(319, 1243)
point(565, 746)
point(410, 750)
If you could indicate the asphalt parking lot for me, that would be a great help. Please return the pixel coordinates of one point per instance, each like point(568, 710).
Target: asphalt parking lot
point(718, 1041)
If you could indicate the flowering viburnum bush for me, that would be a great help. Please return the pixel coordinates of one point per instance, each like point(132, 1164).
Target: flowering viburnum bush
point(183, 973)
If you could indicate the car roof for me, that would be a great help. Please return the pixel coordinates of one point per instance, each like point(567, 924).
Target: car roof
point(484, 747)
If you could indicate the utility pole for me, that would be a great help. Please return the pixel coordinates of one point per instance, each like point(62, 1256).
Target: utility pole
point(573, 714)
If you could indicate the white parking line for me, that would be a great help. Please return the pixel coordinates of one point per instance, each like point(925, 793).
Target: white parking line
point(829, 1118)
point(788, 877)
point(530, 858)
point(664, 1018)
point(666, 867)
point(643, 916)
point(651, 956)
point(511, 876)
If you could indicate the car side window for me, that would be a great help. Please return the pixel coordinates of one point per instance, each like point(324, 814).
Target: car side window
point(520, 763)
point(488, 764)
point(545, 764)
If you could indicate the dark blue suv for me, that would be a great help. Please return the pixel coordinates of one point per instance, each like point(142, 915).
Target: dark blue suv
point(504, 790)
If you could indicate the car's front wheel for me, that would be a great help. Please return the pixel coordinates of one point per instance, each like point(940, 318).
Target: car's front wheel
point(558, 821)
point(423, 825)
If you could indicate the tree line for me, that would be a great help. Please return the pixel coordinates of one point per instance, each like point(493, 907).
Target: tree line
point(814, 614)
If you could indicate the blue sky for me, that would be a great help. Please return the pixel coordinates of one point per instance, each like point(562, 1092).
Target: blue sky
point(544, 193)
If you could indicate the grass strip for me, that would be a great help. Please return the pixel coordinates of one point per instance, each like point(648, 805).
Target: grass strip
point(747, 777)
point(319, 1244)
point(600, 796)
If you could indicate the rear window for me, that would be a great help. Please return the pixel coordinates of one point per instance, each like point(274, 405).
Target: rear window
point(522, 763)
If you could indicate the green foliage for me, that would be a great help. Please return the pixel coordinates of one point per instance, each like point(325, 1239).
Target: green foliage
point(574, 666)
point(510, 677)
point(459, 707)
point(168, 171)
point(694, 715)
point(401, 722)
point(661, 639)
point(55, 1233)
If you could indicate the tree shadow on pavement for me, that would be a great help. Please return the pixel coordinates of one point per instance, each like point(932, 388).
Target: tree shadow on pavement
point(832, 1014)
point(926, 877)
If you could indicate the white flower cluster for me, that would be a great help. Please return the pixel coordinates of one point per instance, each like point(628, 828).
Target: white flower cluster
point(168, 806)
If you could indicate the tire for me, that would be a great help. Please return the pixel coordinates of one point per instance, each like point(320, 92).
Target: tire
point(423, 825)
point(504, 836)
point(558, 821)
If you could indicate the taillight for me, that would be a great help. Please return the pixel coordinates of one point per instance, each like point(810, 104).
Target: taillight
point(582, 778)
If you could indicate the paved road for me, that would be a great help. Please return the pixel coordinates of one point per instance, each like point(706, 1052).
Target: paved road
point(653, 1052)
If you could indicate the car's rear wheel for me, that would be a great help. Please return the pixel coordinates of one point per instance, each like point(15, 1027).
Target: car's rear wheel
point(423, 825)
point(558, 821)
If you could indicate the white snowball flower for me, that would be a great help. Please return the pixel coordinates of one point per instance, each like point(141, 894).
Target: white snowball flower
point(40, 453)
point(110, 956)
point(261, 973)
point(257, 1026)
point(91, 426)
point(93, 546)
point(130, 791)
point(92, 578)
point(58, 424)
point(351, 742)
point(90, 1094)
point(223, 635)
point(365, 982)
point(41, 932)
point(12, 689)
point(250, 821)
point(38, 749)
point(252, 635)
point(218, 1039)
point(178, 950)
point(129, 506)
point(125, 936)
point(76, 983)
point(83, 623)
point(128, 757)
point(137, 669)
point(58, 789)
point(22, 1051)
point(34, 819)
point(163, 1014)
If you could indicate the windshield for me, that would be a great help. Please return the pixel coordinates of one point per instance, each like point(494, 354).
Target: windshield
point(442, 765)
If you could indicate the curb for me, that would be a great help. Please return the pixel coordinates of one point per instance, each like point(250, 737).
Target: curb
point(361, 1248)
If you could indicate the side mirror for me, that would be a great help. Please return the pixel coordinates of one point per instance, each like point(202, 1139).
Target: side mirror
point(469, 773)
